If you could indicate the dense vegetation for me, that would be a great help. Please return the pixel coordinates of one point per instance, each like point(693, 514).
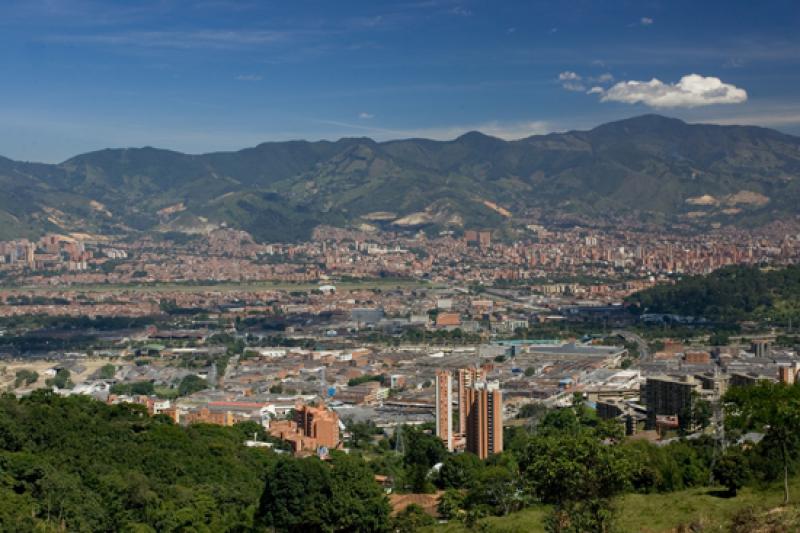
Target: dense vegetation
point(729, 295)
point(578, 467)
point(309, 495)
point(79, 465)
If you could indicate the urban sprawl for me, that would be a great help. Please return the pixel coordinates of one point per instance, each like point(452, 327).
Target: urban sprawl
point(459, 330)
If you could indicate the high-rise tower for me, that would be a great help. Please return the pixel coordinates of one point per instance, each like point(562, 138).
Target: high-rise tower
point(485, 419)
point(444, 408)
point(466, 378)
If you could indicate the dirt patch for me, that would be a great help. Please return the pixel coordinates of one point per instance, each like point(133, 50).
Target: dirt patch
point(747, 198)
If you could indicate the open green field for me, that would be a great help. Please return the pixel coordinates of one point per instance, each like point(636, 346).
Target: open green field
point(245, 286)
point(660, 513)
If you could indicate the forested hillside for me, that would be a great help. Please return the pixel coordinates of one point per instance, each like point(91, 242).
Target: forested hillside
point(74, 464)
point(81, 465)
point(728, 295)
point(652, 167)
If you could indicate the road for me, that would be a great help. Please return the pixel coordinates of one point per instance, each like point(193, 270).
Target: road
point(644, 350)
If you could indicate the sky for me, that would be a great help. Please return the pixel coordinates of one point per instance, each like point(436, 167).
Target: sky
point(209, 75)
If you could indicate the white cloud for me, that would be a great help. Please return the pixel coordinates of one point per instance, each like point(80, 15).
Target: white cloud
point(604, 78)
point(595, 90)
point(571, 81)
point(691, 91)
point(365, 116)
point(249, 77)
point(646, 21)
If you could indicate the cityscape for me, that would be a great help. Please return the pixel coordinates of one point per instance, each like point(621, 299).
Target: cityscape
point(399, 267)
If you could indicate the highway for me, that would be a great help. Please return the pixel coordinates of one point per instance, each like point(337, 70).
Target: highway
point(644, 351)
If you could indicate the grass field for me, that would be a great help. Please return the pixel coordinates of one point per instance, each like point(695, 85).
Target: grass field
point(699, 508)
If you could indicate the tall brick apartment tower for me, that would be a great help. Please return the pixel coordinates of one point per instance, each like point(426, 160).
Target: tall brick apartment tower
point(485, 419)
point(444, 407)
point(466, 378)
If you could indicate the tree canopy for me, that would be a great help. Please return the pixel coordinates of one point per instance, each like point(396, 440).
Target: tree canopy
point(76, 463)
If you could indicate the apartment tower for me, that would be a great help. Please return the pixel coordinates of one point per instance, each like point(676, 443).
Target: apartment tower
point(485, 419)
point(444, 407)
point(466, 378)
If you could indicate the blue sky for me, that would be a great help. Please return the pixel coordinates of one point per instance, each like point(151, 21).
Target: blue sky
point(81, 75)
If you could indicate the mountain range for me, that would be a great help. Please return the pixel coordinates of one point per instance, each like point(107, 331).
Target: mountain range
point(653, 168)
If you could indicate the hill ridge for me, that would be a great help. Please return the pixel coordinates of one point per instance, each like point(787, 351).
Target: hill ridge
point(648, 167)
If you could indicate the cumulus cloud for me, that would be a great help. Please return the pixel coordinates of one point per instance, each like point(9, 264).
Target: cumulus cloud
point(365, 116)
point(646, 21)
point(571, 81)
point(690, 91)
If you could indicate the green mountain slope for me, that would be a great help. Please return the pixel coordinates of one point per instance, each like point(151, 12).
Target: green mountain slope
point(651, 167)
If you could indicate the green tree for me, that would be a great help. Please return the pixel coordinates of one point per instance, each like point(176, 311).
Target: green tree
point(145, 388)
point(731, 471)
point(107, 371)
point(422, 451)
point(773, 408)
point(297, 496)
point(191, 384)
point(701, 413)
point(361, 433)
point(25, 376)
point(70, 464)
point(595, 515)
point(451, 504)
point(411, 519)
point(303, 495)
point(61, 380)
point(499, 489)
point(577, 473)
point(459, 471)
